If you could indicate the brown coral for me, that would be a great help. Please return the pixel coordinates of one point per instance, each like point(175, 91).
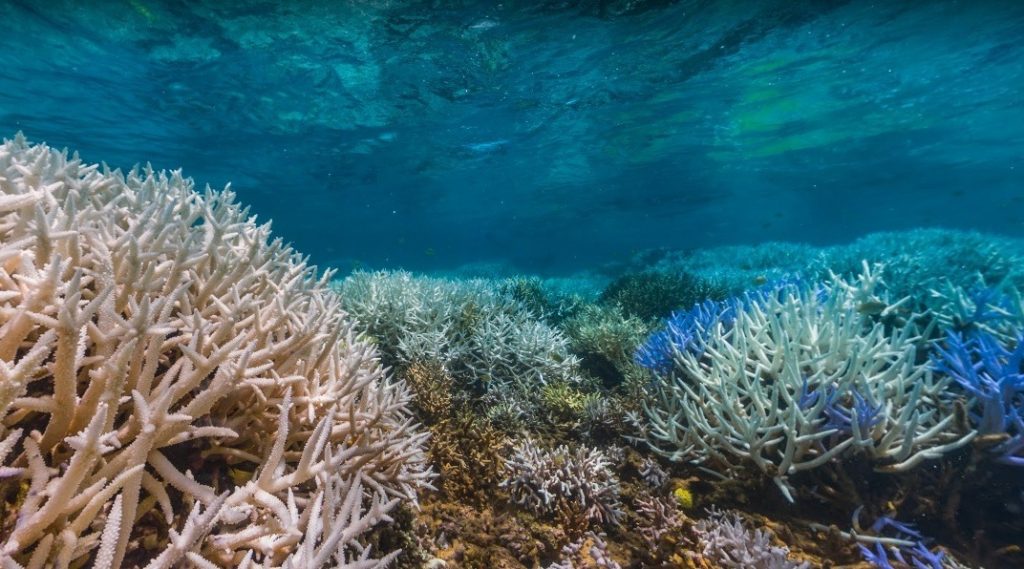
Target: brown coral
point(431, 384)
point(467, 451)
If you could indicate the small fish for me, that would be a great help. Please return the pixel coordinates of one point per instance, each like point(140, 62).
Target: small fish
point(872, 307)
point(486, 147)
point(484, 25)
point(240, 476)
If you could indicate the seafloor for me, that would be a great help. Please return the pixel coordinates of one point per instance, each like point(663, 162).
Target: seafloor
point(673, 503)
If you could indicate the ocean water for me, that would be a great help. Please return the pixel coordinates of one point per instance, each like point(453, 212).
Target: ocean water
point(433, 134)
point(670, 283)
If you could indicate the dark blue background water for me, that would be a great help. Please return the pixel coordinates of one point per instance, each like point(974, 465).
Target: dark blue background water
point(552, 135)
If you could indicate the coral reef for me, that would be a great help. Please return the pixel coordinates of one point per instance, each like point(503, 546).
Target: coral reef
point(725, 541)
point(652, 294)
point(577, 486)
point(605, 339)
point(737, 268)
point(926, 258)
point(484, 536)
point(801, 376)
point(478, 334)
point(916, 259)
point(176, 386)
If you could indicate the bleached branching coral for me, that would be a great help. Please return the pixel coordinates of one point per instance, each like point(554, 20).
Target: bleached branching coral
point(800, 376)
point(590, 551)
point(467, 326)
point(164, 363)
point(726, 542)
point(653, 474)
point(656, 517)
point(575, 484)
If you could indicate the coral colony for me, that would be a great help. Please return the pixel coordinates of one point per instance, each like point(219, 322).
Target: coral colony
point(178, 388)
point(163, 357)
point(800, 377)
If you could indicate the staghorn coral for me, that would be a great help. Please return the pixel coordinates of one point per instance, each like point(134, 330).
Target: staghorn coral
point(605, 339)
point(164, 363)
point(800, 376)
point(685, 330)
point(650, 295)
point(656, 518)
point(728, 544)
point(909, 547)
point(431, 385)
point(926, 257)
point(509, 413)
point(478, 334)
point(989, 373)
point(979, 309)
point(653, 475)
point(467, 451)
point(590, 551)
point(564, 406)
point(576, 485)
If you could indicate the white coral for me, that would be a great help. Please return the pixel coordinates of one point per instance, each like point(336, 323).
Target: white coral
point(153, 337)
point(466, 326)
point(726, 542)
point(762, 392)
point(563, 481)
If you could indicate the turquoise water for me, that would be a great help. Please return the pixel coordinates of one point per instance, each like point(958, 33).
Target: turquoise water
point(619, 284)
point(552, 136)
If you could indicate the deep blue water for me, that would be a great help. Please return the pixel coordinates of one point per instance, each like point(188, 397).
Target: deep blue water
point(551, 136)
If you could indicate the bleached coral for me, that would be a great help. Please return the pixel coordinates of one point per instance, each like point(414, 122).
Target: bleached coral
point(467, 326)
point(801, 376)
point(590, 551)
point(653, 474)
point(162, 359)
point(576, 484)
point(657, 517)
point(726, 542)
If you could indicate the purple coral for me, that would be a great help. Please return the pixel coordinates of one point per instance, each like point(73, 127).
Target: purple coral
point(916, 555)
point(657, 516)
point(564, 481)
point(726, 542)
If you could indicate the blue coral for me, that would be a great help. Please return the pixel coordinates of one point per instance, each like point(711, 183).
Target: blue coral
point(685, 330)
point(857, 419)
point(991, 376)
point(916, 555)
point(981, 308)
